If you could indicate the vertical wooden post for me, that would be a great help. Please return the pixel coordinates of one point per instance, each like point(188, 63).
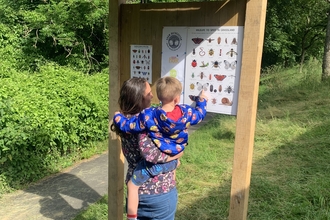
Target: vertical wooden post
point(116, 158)
point(247, 107)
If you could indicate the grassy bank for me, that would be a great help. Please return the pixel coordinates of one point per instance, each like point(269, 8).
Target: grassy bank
point(290, 173)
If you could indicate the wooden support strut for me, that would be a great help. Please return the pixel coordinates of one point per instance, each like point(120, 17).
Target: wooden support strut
point(116, 158)
point(247, 107)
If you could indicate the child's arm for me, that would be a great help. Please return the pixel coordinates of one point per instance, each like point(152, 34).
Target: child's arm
point(199, 112)
point(135, 124)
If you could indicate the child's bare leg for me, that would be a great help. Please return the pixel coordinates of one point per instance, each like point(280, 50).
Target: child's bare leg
point(174, 171)
point(132, 200)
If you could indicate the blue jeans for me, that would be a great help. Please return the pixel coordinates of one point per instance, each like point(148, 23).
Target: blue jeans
point(158, 206)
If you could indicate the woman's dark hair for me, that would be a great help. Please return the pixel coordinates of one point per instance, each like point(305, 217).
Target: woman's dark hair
point(131, 98)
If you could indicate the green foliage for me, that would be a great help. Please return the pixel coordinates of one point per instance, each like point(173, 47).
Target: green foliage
point(295, 30)
point(10, 40)
point(99, 211)
point(47, 115)
point(75, 32)
point(71, 33)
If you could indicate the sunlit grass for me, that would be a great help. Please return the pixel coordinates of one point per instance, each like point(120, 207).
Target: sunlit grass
point(290, 173)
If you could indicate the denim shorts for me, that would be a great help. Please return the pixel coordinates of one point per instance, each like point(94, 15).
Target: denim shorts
point(158, 207)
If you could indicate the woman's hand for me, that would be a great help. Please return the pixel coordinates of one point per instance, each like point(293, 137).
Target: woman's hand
point(170, 158)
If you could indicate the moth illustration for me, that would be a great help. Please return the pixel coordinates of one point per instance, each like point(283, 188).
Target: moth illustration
point(231, 65)
point(201, 86)
point(197, 40)
point(220, 77)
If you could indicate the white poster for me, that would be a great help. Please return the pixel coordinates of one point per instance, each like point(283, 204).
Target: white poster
point(213, 63)
point(141, 61)
point(174, 53)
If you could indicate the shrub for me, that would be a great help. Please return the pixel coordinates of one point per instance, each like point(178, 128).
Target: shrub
point(47, 115)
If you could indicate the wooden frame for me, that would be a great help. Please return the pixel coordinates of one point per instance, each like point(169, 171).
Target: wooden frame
point(247, 107)
point(116, 158)
point(124, 31)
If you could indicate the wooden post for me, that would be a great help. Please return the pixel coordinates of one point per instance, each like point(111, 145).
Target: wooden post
point(247, 107)
point(116, 158)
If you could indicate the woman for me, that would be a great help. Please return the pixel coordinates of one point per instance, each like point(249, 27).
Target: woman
point(158, 196)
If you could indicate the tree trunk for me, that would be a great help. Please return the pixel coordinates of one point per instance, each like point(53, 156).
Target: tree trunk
point(326, 56)
point(302, 60)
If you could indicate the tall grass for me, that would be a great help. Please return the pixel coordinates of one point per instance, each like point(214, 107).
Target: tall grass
point(290, 173)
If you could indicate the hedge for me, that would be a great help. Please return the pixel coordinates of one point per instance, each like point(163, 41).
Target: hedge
point(45, 116)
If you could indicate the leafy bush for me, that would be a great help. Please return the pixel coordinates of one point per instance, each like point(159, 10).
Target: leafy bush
point(71, 33)
point(47, 115)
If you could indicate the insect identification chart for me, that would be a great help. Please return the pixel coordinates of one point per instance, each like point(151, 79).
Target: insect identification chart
point(141, 62)
point(213, 64)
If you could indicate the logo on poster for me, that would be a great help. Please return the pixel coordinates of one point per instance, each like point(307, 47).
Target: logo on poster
point(173, 41)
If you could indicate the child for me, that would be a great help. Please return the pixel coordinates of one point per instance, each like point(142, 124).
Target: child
point(167, 126)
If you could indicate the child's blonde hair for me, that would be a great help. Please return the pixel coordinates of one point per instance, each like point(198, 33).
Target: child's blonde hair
point(167, 88)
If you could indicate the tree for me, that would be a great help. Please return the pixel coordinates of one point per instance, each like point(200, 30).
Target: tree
point(295, 31)
point(326, 56)
point(68, 32)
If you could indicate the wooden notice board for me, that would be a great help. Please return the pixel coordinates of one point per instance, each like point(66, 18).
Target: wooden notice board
point(130, 24)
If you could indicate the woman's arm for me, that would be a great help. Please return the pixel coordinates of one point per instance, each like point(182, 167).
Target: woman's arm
point(151, 153)
point(170, 158)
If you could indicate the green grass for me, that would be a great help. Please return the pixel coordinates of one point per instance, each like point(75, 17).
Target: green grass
point(291, 170)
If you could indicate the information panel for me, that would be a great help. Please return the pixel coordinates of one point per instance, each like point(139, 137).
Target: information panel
point(141, 62)
point(213, 64)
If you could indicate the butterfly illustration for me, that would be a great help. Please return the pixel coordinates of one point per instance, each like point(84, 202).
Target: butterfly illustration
point(197, 40)
point(220, 77)
point(231, 65)
point(202, 86)
point(144, 73)
point(193, 97)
